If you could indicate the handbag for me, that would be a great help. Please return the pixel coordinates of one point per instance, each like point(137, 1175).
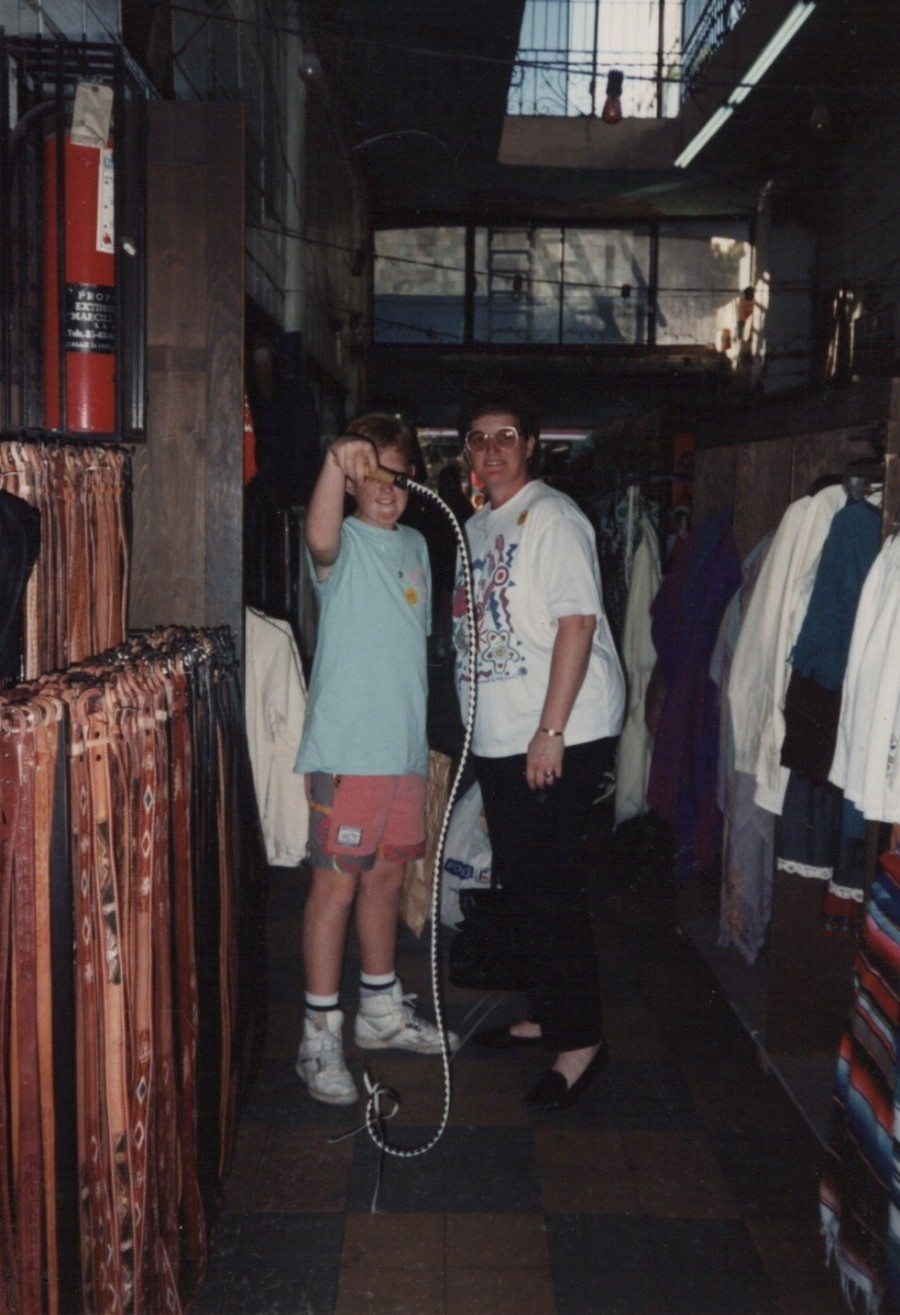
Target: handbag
point(483, 955)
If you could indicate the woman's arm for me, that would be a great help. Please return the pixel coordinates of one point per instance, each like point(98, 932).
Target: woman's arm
point(347, 459)
point(568, 667)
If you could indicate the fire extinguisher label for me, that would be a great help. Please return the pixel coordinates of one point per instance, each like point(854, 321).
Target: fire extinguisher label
point(105, 202)
point(90, 318)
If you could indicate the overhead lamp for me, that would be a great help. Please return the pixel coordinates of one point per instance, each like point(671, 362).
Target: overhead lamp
point(612, 108)
point(764, 60)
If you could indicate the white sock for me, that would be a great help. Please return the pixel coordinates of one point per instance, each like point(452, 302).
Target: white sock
point(320, 1003)
point(371, 984)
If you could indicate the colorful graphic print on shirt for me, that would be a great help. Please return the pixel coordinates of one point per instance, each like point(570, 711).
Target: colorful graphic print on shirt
point(500, 654)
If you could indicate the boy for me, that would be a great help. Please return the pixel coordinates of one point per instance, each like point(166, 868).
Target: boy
point(363, 749)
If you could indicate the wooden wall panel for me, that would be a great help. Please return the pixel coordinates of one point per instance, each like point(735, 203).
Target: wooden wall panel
point(170, 512)
point(187, 563)
point(825, 453)
point(714, 471)
point(765, 468)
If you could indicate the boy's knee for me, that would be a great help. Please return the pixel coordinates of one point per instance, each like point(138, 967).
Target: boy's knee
point(383, 879)
point(334, 887)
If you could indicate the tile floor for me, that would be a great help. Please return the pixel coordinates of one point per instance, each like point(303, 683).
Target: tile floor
point(684, 1183)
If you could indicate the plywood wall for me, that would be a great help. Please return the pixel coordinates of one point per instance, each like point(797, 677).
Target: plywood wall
point(188, 477)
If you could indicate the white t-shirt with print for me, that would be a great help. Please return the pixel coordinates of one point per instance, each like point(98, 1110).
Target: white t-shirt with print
point(534, 560)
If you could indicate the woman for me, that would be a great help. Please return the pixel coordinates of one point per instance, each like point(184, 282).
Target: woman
point(550, 701)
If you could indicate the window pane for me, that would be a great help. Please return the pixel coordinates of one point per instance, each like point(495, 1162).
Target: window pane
point(419, 284)
point(567, 47)
point(605, 285)
point(517, 284)
point(702, 268)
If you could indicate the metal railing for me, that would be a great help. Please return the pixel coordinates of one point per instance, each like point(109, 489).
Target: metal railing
point(705, 25)
point(568, 47)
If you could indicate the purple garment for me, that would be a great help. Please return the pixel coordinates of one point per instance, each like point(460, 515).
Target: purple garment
point(687, 614)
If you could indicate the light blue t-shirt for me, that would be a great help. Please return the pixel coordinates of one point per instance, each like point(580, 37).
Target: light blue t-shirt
point(366, 708)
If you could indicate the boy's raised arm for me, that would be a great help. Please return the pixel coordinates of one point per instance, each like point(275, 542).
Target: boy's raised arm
point(345, 466)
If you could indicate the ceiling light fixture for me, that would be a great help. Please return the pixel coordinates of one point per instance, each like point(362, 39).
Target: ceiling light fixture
point(612, 108)
point(764, 60)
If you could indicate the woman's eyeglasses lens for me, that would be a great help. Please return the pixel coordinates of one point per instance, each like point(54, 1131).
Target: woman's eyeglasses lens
point(477, 440)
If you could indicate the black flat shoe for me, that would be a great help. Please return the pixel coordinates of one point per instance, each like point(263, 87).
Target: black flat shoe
point(554, 1093)
point(500, 1038)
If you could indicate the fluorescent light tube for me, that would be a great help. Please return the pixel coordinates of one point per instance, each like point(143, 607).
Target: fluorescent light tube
point(764, 60)
point(709, 130)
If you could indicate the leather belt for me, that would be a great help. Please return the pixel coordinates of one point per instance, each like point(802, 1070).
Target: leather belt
point(124, 830)
point(76, 601)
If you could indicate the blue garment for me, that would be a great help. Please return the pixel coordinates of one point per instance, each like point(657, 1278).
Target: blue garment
point(368, 687)
point(687, 614)
point(824, 641)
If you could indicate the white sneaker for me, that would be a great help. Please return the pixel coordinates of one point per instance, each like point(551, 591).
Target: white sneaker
point(387, 1021)
point(320, 1059)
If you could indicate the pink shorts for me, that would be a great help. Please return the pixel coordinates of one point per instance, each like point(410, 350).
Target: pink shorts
point(356, 820)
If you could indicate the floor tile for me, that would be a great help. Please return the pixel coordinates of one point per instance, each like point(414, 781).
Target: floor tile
point(772, 1175)
point(604, 1264)
point(277, 1263)
point(500, 1291)
point(585, 1171)
point(301, 1171)
point(470, 1169)
point(792, 1254)
point(711, 1267)
point(677, 1175)
point(733, 1095)
point(487, 1241)
point(488, 1095)
point(390, 1291)
point(387, 1240)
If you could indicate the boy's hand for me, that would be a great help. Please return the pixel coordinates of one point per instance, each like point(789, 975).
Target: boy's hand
point(355, 457)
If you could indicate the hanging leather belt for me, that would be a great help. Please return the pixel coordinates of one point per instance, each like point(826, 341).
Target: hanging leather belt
point(144, 751)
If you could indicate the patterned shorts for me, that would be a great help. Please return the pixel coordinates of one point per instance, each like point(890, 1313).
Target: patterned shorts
point(356, 820)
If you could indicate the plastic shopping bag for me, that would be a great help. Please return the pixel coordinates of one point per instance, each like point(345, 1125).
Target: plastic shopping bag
point(467, 855)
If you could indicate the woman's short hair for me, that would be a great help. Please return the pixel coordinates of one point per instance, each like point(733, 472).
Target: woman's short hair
point(512, 398)
point(387, 431)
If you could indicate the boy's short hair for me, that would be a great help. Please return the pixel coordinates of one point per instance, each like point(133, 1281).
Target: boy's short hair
point(386, 431)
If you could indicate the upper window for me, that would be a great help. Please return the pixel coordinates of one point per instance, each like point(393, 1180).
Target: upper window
point(420, 284)
point(662, 284)
point(568, 47)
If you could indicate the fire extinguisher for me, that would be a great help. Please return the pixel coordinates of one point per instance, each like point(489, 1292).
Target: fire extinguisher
point(86, 338)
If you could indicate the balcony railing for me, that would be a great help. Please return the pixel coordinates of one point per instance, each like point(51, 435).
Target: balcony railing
point(705, 25)
point(567, 48)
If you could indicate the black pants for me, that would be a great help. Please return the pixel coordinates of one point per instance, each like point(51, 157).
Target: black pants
point(534, 837)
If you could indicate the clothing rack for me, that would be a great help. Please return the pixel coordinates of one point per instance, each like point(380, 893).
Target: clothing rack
point(127, 833)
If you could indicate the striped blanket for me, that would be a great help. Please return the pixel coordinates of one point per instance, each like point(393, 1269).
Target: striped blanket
point(859, 1195)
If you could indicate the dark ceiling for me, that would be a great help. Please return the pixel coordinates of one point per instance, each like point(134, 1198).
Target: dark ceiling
point(423, 84)
point(424, 89)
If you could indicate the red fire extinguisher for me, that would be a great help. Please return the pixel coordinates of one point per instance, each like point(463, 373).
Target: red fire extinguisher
point(86, 338)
